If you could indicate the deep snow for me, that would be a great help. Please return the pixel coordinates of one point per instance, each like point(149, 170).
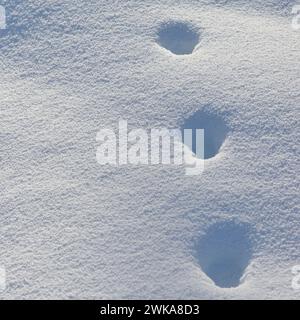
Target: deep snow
point(71, 228)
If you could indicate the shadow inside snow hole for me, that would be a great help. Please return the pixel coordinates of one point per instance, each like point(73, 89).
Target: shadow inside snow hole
point(215, 132)
point(178, 37)
point(224, 253)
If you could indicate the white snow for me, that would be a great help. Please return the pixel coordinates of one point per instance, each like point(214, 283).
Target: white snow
point(71, 228)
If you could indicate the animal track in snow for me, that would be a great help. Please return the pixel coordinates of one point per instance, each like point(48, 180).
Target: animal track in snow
point(178, 37)
point(224, 253)
point(215, 132)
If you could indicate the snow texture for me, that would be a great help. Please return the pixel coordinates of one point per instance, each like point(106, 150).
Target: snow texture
point(71, 228)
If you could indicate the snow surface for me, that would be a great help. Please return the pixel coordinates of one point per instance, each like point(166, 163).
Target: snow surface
point(71, 228)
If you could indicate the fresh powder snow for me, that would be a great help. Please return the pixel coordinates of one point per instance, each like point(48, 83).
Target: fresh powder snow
point(73, 229)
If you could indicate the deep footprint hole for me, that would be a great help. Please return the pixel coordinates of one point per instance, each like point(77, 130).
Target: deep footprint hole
point(224, 253)
point(215, 132)
point(178, 37)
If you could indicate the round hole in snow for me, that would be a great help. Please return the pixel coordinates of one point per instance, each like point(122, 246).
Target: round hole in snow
point(178, 37)
point(224, 253)
point(215, 132)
